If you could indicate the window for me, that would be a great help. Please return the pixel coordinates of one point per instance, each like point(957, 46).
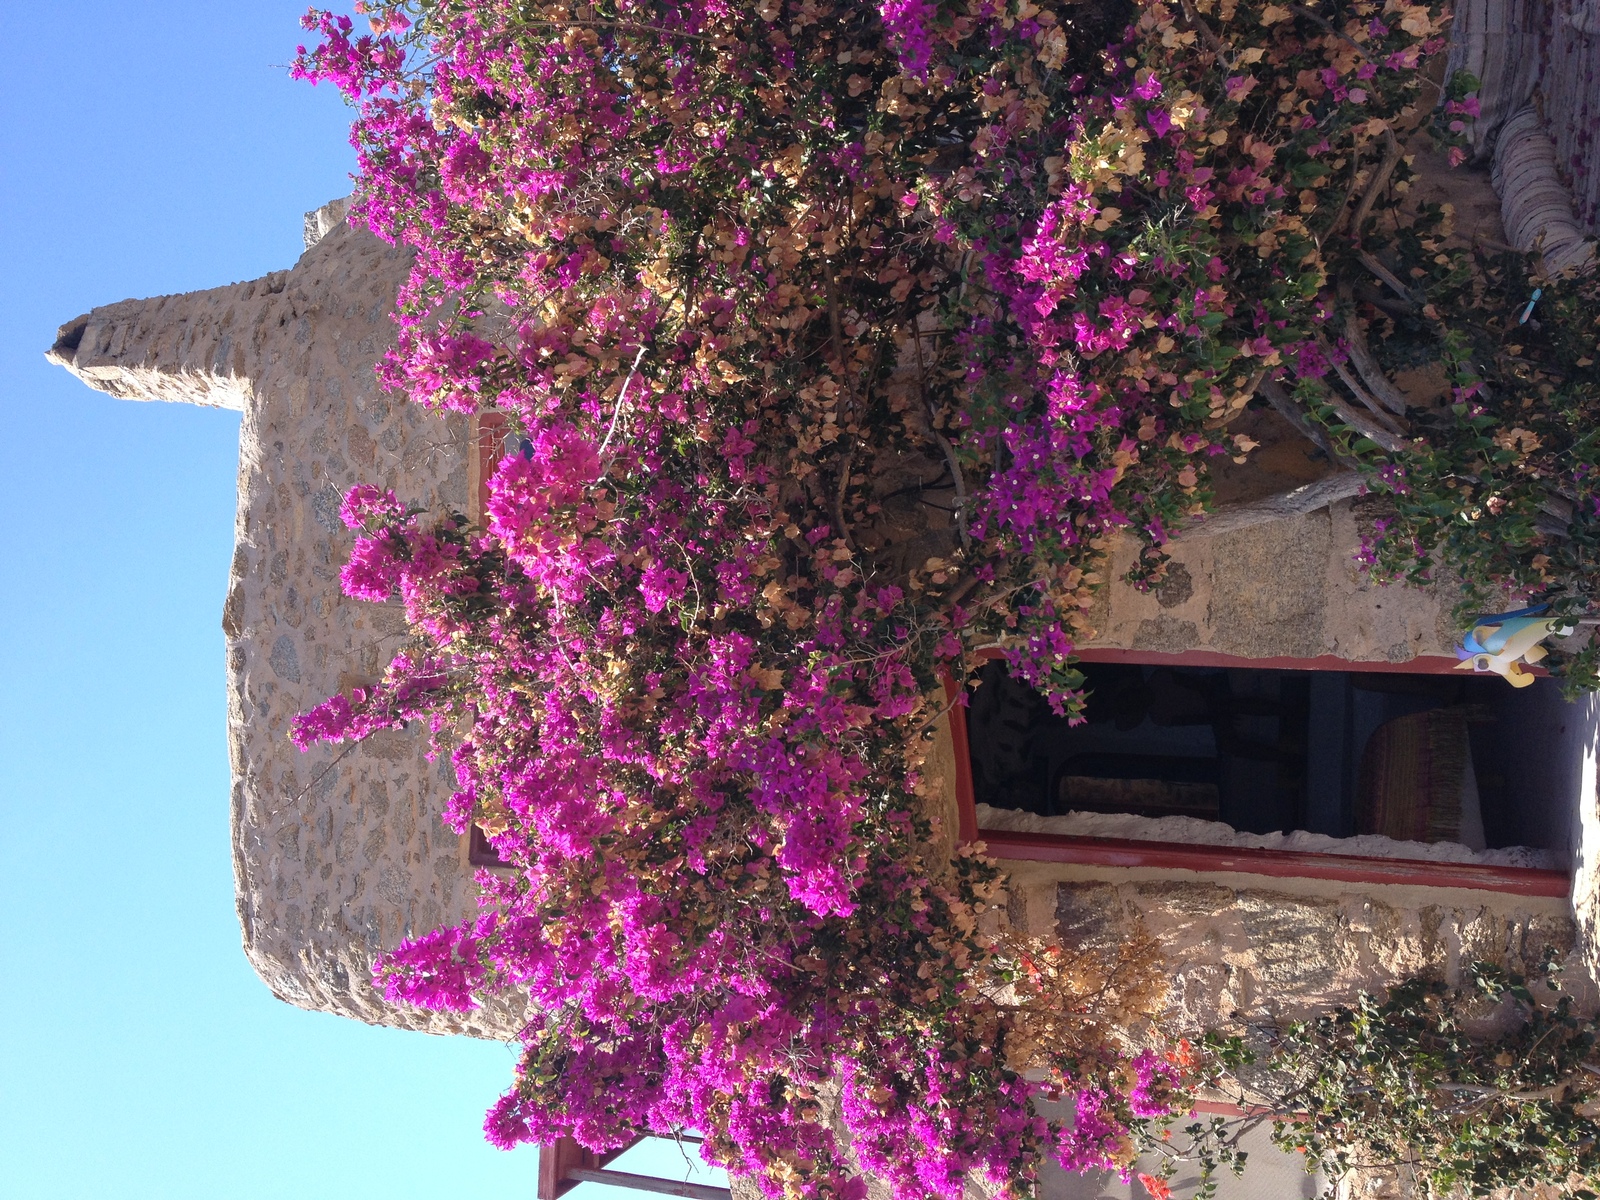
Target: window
point(480, 853)
point(1355, 773)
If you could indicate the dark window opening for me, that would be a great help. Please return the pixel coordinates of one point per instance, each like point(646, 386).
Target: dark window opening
point(1440, 758)
point(480, 851)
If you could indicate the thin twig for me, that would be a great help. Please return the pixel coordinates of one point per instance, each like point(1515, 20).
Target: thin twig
point(1489, 1092)
point(966, 263)
point(1484, 240)
point(1344, 205)
point(948, 450)
point(937, 717)
point(318, 777)
point(933, 485)
point(961, 487)
point(1235, 409)
point(688, 561)
point(837, 333)
point(960, 592)
point(838, 498)
point(1207, 35)
point(1387, 276)
point(622, 400)
point(598, 22)
point(1308, 14)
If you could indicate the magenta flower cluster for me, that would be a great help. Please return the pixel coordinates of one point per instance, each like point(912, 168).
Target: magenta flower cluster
point(720, 265)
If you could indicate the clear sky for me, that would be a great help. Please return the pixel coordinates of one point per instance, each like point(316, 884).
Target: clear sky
point(149, 148)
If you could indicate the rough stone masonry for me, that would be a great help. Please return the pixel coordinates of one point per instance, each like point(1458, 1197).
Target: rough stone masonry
point(336, 855)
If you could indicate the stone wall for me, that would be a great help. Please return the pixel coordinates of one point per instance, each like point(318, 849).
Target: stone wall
point(1263, 949)
point(1257, 950)
point(337, 854)
point(1287, 588)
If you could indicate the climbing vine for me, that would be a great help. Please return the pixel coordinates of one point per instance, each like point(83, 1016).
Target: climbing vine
point(1498, 489)
point(837, 343)
point(1466, 1091)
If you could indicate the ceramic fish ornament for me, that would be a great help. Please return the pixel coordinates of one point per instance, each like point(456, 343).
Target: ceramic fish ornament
point(1508, 643)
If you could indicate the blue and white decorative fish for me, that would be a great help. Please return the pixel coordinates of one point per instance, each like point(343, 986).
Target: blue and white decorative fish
point(1507, 643)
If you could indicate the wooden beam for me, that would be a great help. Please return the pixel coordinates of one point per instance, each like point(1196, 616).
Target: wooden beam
point(556, 1164)
point(649, 1183)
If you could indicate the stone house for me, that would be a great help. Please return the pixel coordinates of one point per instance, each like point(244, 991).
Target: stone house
point(1259, 674)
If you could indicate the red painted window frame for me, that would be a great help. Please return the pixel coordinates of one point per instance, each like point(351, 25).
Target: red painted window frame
point(486, 434)
point(1282, 864)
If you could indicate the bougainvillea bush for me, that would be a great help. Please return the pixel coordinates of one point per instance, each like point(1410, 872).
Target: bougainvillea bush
point(836, 341)
point(1499, 491)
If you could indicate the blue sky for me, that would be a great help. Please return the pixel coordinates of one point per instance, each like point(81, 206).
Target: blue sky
point(151, 148)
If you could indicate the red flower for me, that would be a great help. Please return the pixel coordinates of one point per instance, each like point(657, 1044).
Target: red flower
point(1159, 1189)
point(1183, 1056)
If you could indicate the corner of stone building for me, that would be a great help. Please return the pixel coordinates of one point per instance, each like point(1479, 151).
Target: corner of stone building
point(201, 348)
point(335, 856)
point(339, 982)
point(321, 221)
